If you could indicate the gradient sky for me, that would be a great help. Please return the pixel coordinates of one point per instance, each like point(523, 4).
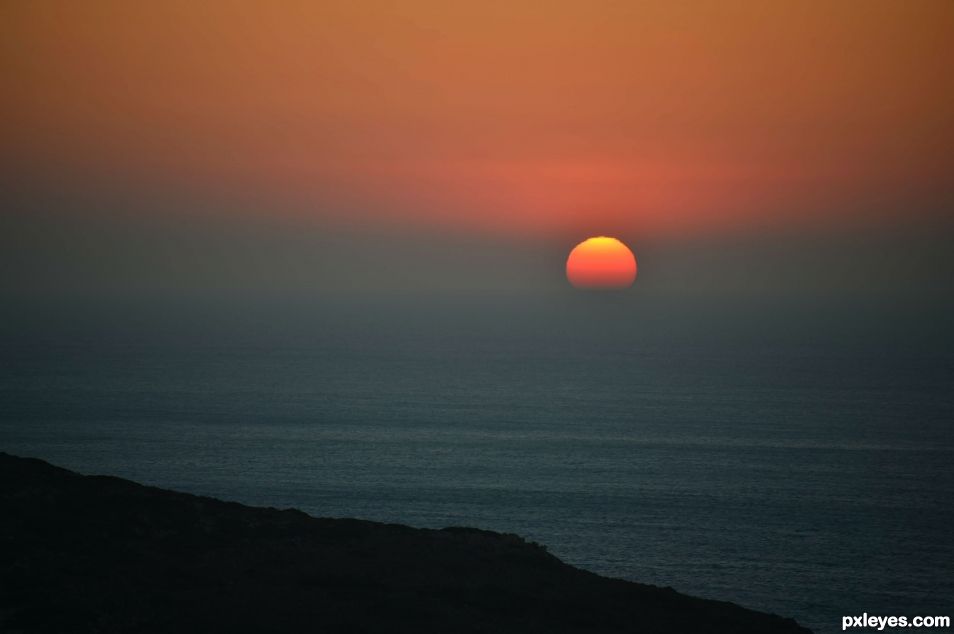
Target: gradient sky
point(477, 138)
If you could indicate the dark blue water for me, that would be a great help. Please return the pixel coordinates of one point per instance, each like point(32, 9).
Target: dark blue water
point(808, 476)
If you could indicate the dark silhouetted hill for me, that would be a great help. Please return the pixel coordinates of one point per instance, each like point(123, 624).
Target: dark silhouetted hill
point(101, 554)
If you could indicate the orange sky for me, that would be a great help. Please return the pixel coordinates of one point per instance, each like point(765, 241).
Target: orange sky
point(514, 117)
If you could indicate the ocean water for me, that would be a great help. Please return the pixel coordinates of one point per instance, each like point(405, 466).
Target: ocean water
point(744, 459)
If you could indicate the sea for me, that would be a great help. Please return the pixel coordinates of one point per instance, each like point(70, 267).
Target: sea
point(795, 459)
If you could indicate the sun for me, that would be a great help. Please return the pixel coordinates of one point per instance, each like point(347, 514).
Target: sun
point(601, 263)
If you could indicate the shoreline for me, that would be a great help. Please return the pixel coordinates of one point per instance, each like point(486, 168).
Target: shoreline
point(103, 554)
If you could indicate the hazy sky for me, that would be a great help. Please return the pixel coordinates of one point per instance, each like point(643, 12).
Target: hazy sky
point(387, 146)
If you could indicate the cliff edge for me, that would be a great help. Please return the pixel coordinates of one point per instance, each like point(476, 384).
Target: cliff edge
point(101, 554)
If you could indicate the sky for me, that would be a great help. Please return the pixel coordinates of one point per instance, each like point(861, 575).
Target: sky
point(183, 148)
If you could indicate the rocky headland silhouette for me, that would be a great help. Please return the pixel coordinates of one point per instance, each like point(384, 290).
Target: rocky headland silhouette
point(101, 554)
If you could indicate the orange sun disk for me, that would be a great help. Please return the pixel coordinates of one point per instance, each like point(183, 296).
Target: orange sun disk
point(601, 263)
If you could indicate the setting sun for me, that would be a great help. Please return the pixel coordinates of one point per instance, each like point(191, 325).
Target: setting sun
point(601, 263)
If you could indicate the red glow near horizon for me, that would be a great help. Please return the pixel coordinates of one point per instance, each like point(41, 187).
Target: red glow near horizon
point(652, 118)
